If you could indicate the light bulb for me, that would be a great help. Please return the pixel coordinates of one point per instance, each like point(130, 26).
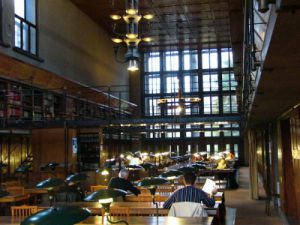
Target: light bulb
point(132, 65)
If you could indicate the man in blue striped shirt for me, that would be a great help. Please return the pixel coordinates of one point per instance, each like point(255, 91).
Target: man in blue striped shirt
point(189, 193)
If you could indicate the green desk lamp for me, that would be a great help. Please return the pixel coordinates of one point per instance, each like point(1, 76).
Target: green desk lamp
point(105, 198)
point(67, 215)
point(172, 175)
point(151, 184)
point(187, 169)
point(50, 184)
point(76, 179)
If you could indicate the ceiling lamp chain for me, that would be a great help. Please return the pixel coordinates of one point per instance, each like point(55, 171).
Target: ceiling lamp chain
point(131, 38)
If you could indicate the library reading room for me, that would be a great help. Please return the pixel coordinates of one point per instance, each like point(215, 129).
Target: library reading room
point(149, 112)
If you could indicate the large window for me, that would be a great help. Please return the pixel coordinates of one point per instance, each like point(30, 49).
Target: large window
point(184, 86)
point(25, 26)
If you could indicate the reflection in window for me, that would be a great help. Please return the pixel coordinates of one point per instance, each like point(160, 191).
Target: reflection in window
point(209, 59)
point(171, 60)
point(190, 60)
point(210, 82)
point(25, 26)
point(228, 82)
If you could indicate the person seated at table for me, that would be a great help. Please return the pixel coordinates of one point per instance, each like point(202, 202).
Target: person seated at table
point(122, 182)
point(190, 193)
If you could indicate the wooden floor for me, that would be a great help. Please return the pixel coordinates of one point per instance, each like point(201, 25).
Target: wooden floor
point(248, 211)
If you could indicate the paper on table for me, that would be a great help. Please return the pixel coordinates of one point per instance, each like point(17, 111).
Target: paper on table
point(209, 186)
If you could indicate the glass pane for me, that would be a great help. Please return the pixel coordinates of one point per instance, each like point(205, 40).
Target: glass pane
point(32, 40)
point(206, 103)
point(213, 60)
point(215, 105)
point(186, 62)
point(17, 33)
point(171, 84)
point(25, 37)
point(171, 61)
point(216, 148)
point(206, 82)
point(154, 62)
point(19, 8)
point(236, 150)
point(187, 84)
point(205, 59)
point(225, 58)
point(30, 11)
point(226, 104)
point(214, 82)
point(207, 134)
point(194, 61)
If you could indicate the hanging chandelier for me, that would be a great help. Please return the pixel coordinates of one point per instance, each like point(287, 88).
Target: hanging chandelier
point(131, 38)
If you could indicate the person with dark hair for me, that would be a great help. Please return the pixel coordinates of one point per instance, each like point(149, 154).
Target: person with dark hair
point(189, 193)
point(122, 182)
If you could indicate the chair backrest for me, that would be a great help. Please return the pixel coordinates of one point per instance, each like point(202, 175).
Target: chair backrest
point(119, 211)
point(23, 210)
point(98, 187)
point(16, 190)
point(187, 209)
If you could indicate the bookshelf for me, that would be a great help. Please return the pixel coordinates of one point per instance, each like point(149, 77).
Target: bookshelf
point(19, 101)
point(88, 151)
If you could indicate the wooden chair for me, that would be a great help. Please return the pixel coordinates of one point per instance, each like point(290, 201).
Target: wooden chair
point(23, 210)
point(119, 211)
point(97, 187)
point(17, 190)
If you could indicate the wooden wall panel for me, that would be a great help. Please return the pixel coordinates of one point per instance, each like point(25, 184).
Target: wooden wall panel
point(295, 152)
point(53, 145)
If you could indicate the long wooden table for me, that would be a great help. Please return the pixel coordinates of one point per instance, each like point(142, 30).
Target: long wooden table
point(146, 220)
point(132, 220)
point(14, 198)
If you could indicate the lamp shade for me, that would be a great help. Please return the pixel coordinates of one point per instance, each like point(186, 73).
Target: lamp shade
point(67, 215)
point(3, 193)
point(52, 165)
point(172, 173)
point(198, 166)
point(22, 169)
point(147, 166)
point(104, 194)
point(75, 178)
point(186, 169)
point(154, 181)
point(135, 167)
point(50, 183)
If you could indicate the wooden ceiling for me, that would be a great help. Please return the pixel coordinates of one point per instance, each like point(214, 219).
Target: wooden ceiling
point(183, 23)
